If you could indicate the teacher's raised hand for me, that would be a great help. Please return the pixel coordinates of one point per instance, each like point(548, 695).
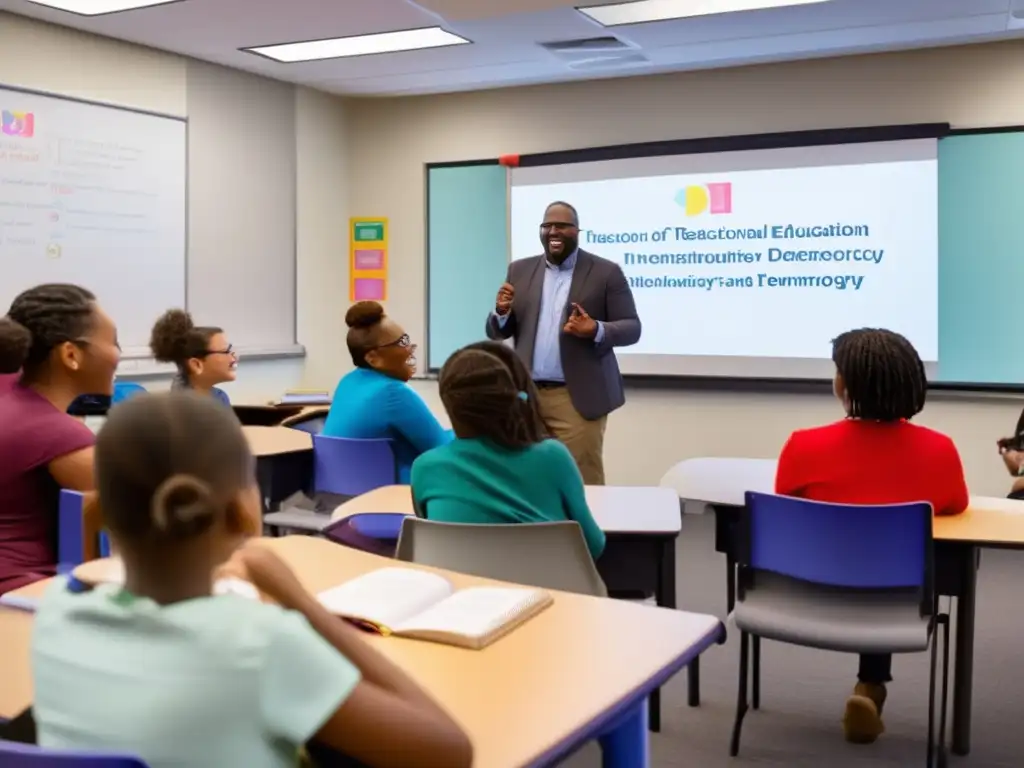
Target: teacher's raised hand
point(505, 296)
point(580, 323)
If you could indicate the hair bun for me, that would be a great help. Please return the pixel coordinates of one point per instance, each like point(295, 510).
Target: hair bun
point(170, 335)
point(183, 506)
point(15, 342)
point(364, 314)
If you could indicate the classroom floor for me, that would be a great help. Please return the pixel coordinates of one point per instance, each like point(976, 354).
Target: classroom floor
point(803, 690)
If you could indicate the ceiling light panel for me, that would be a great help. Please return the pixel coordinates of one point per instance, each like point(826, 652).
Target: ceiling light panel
point(644, 11)
point(360, 45)
point(100, 7)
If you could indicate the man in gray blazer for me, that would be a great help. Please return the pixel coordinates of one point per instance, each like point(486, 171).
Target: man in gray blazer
point(566, 311)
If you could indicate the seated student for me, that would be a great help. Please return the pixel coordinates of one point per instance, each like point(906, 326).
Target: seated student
point(1013, 458)
point(56, 344)
point(874, 456)
point(374, 400)
point(192, 679)
point(503, 468)
point(202, 354)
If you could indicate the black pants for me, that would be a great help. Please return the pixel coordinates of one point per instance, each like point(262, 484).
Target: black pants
point(875, 668)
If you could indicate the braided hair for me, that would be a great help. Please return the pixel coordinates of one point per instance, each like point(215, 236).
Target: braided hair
point(41, 319)
point(488, 392)
point(882, 372)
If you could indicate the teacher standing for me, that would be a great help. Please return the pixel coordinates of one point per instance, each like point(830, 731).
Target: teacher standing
point(567, 310)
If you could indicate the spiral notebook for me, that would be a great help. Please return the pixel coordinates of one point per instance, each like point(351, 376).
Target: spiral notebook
point(425, 606)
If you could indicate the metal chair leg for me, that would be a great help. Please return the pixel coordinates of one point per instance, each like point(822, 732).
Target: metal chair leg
point(942, 752)
point(741, 698)
point(755, 693)
point(933, 654)
point(693, 683)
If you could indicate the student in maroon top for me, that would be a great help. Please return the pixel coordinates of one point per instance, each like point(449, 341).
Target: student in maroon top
point(55, 344)
point(874, 456)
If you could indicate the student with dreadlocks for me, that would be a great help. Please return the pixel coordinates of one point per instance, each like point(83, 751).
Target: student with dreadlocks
point(503, 467)
point(874, 456)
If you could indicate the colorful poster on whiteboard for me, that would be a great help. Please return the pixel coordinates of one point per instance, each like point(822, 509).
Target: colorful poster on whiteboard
point(368, 259)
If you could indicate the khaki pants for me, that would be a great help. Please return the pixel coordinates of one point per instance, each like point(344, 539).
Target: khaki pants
point(583, 438)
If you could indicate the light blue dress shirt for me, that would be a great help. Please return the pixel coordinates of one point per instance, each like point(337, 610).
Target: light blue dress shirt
point(547, 353)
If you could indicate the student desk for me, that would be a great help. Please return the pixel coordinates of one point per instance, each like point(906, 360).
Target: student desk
point(273, 415)
point(580, 670)
point(284, 461)
point(641, 525)
point(988, 522)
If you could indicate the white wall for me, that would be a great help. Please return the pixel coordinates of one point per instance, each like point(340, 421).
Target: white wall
point(392, 139)
point(65, 62)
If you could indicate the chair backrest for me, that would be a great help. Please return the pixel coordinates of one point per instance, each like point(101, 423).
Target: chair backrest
point(885, 546)
point(70, 529)
point(124, 390)
point(313, 425)
point(375, 532)
point(549, 555)
point(350, 467)
point(14, 755)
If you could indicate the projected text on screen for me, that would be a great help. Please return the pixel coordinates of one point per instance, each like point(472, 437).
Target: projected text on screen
point(772, 262)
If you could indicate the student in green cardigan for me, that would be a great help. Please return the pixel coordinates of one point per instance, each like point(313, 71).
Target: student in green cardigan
point(503, 467)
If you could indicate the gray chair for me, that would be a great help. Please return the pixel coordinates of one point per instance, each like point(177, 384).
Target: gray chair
point(548, 555)
point(847, 578)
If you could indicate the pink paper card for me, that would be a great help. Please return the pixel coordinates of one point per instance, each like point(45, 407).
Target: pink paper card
point(369, 259)
point(369, 289)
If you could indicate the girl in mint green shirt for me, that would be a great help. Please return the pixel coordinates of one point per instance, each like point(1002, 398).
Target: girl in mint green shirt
point(503, 468)
point(162, 667)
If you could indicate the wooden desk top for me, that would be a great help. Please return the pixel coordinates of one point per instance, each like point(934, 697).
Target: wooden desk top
point(307, 412)
point(616, 509)
point(529, 694)
point(273, 415)
point(988, 521)
point(273, 441)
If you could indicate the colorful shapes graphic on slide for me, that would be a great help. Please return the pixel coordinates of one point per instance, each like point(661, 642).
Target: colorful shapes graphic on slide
point(20, 124)
point(713, 198)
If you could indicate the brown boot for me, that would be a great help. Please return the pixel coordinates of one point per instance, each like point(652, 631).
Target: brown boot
point(862, 721)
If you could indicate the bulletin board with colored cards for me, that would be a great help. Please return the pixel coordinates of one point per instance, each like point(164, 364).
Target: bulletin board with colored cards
point(368, 259)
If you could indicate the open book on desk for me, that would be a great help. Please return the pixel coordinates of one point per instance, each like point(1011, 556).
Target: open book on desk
point(425, 606)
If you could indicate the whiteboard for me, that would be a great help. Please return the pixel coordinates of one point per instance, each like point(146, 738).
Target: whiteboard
point(94, 195)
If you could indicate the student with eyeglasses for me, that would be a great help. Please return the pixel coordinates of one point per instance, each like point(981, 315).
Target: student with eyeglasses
point(202, 354)
point(56, 344)
point(375, 401)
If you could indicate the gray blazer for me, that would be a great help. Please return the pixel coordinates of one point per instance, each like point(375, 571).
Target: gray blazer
point(591, 370)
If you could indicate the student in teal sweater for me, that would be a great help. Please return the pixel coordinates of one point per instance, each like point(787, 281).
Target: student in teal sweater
point(374, 401)
point(503, 467)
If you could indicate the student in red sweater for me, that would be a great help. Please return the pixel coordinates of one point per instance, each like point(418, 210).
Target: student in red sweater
point(874, 456)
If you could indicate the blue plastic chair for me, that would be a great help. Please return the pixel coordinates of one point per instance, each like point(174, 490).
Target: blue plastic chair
point(124, 390)
point(14, 755)
point(313, 426)
point(350, 467)
point(344, 467)
point(71, 532)
point(847, 578)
